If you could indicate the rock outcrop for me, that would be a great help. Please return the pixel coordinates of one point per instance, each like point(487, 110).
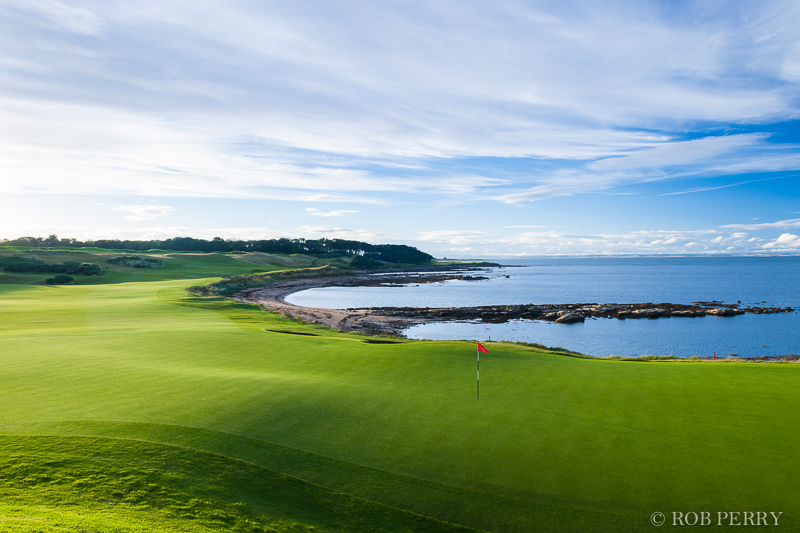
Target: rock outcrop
point(572, 313)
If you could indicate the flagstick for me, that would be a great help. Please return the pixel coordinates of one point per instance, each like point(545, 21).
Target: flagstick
point(479, 373)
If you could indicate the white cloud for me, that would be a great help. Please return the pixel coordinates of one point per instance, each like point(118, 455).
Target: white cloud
point(144, 212)
point(337, 213)
point(634, 242)
point(789, 223)
point(786, 241)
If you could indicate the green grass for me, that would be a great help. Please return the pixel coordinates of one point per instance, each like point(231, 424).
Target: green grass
point(232, 285)
point(292, 261)
point(83, 249)
point(176, 266)
point(128, 485)
point(555, 443)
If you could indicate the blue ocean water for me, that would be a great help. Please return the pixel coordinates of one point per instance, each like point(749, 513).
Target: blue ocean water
point(750, 280)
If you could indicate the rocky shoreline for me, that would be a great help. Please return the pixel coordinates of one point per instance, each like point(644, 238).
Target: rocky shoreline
point(391, 321)
point(273, 297)
point(572, 313)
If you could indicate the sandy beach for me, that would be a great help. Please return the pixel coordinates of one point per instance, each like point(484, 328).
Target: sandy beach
point(273, 297)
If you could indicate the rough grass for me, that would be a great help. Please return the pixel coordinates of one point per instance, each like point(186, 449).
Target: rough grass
point(291, 261)
point(234, 284)
point(77, 483)
point(19, 278)
point(555, 443)
point(176, 266)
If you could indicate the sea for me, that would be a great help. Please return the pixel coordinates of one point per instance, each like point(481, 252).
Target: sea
point(758, 281)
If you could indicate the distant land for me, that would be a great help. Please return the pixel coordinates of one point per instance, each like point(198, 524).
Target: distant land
point(392, 253)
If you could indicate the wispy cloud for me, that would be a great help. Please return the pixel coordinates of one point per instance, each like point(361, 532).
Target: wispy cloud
point(336, 213)
point(333, 232)
point(706, 189)
point(659, 242)
point(55, 14)
point(789, 223)
point(710, 156)
point(717, 240)
point(523, 226)
point(368, 100)
point(457, 237)
point(144, 212)
point(147, 232)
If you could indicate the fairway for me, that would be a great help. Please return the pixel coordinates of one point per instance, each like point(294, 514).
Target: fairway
point(359, 436)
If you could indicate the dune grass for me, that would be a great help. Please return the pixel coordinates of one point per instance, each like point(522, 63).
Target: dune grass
point(555, 443)
point(292, 260)
point(176, 266)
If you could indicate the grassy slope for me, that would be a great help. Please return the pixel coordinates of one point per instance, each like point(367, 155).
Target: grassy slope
point(291, 261)
point(554, 442)
point(103, 484)
point(176, 266)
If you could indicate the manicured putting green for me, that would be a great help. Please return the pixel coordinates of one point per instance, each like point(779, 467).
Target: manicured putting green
point(554, 443)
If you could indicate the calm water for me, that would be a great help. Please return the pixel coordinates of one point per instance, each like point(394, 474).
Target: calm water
point(754, 280)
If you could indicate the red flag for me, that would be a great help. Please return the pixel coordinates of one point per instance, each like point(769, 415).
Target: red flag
point(482, 349)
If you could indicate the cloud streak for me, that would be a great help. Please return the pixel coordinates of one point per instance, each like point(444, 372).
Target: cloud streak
point(335, 213)
point(332, 232)
point(360, 99)
point(780, 224)
point(144, 212)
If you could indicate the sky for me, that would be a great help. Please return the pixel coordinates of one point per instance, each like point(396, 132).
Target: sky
point(466, 129)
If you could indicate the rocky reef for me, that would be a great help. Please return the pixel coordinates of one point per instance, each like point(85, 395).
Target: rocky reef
point(571, 313)
point(403, 280)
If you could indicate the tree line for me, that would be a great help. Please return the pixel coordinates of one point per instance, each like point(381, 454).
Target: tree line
point(392, 253)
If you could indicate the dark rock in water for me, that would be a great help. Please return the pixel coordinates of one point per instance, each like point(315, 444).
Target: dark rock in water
point(570, 318)
point(571, 313)
point(722, 311)
point(561, 313)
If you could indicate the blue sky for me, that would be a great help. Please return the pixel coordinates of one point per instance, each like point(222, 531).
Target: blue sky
point(467, 129)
